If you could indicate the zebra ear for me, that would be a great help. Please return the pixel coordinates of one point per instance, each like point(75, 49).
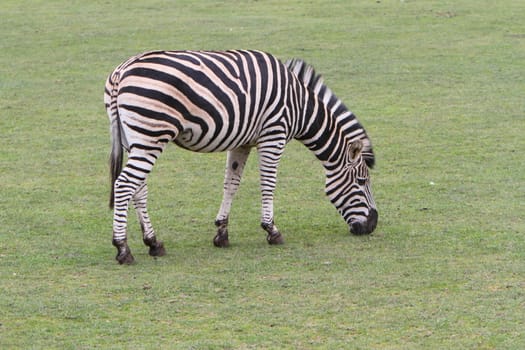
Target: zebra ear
point(355, 149)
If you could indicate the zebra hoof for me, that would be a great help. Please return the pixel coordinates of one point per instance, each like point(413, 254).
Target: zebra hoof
point(125, 258)
point(157, 249)
point(221, 241)
point(123, 253)
point(275, 239)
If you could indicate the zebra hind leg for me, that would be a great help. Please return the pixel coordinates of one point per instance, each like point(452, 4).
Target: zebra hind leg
point(124, 190)
point(129, 185)
point(156, 248)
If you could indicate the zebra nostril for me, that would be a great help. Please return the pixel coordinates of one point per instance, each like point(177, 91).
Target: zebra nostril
point(357, 228)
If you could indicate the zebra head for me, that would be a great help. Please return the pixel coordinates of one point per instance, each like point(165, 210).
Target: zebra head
point(348, 187)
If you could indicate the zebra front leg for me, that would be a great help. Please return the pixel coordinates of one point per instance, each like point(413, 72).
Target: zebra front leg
point(140, 199)
point(269, 155)
point(235, 162)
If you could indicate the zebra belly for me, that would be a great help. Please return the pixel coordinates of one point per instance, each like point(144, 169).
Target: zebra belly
point(191, 128)
point(214, 139)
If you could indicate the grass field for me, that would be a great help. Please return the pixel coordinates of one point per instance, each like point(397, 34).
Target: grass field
point(439, 86)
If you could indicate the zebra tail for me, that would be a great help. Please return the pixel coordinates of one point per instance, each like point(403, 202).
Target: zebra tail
point(116, 156)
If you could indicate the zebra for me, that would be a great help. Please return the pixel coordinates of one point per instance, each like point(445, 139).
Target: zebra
point(235, 100)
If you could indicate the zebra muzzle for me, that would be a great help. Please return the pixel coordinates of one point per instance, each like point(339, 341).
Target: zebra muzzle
point(365, 227)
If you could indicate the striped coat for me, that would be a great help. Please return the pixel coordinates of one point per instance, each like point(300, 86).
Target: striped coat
point(231, 101)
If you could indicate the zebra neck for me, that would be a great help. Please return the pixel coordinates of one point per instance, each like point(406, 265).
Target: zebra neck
point(329, 130)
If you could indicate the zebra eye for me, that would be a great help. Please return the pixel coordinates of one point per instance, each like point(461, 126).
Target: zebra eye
point(361, 181)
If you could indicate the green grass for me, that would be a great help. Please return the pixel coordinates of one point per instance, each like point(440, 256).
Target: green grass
point(439, 87)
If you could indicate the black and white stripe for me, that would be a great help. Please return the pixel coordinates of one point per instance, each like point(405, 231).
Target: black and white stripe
point(341, 143)
point(231, 101)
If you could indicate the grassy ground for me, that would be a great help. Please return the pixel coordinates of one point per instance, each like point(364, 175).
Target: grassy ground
point(439, 87)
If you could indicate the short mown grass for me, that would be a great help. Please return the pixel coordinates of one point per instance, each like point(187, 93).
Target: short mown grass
point(438, 86)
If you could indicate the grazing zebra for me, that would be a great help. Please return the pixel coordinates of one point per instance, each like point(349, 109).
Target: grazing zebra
point(207, 101)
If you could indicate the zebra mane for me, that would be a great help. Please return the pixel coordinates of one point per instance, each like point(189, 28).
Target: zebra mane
point(306, 74)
